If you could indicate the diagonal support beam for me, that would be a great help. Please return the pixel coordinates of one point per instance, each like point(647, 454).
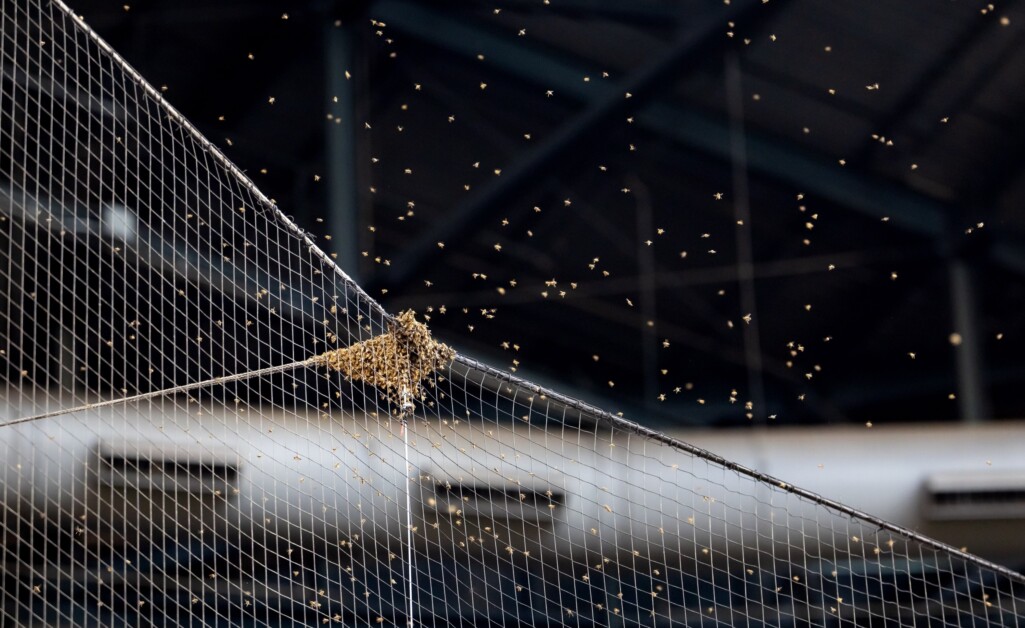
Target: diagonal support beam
point(636, 12)
point(921, 89)
point(608, 103)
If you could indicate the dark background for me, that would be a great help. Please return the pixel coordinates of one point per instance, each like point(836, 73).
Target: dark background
point(874, 153)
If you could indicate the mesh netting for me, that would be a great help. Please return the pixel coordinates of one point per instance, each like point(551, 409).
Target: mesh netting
point(206, 422)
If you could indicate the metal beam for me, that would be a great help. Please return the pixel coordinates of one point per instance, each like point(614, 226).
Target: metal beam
point(176, 14)
point(743, 238)
point(613, 101)
point(674, 280)
point(340, 145)
point(678, 334)
point(144, 246)
point(702, 132)
point(646, 268)
point(637, 12)
point(971, 390)
point(1010, 256)
point(921, 88)
point(925, 131)
point(1001, 174)
point(884, 387)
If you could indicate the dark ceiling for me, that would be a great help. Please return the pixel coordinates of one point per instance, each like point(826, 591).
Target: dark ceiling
point(668, 208)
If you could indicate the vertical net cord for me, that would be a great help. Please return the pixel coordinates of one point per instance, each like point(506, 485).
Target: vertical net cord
point(409, 519)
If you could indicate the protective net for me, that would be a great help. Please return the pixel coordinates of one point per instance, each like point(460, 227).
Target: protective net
point(205, 422)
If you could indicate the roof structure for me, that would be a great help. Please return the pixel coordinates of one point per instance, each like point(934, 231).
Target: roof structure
point(559, 186)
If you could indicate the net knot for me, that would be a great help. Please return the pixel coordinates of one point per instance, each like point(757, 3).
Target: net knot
point(396, 361)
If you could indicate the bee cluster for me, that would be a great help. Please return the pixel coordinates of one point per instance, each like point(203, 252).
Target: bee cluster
point(396, 361)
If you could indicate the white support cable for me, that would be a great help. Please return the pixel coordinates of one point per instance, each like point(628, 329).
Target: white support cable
point(174, 390)
point(409, 523)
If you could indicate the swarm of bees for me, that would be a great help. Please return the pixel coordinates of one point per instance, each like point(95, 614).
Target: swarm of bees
point(397, 361)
